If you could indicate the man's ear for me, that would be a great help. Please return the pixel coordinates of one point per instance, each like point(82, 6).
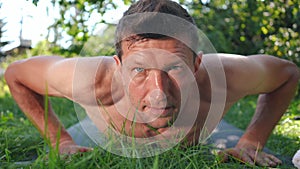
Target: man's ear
point(117, 60)
point(198, 60)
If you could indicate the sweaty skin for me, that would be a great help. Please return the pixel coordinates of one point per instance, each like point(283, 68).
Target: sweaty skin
point(274, 79)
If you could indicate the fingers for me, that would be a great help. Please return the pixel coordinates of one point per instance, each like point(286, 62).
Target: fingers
point(74, 149)
point(85, 149)
point(251, 157)
point(264, 159)
point(236, 154)
point(275, 159)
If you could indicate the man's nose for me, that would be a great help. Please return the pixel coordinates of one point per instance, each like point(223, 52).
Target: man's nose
point(157, 85)
point(157, 80)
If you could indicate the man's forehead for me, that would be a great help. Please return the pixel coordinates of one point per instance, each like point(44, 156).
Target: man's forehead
point(155, 46)
point(150, 56)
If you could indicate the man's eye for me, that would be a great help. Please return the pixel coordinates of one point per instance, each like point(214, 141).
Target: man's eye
point(175, 67)
point(139, 70)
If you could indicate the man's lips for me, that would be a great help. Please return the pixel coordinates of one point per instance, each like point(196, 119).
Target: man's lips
point(160, 111)
point(163, 116)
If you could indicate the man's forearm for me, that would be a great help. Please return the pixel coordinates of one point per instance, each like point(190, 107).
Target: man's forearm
point(33, 106)
point(270, 108)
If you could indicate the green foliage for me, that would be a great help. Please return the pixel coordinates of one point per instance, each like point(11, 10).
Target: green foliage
point(44, 48)
point(101, 44)
point(251, 26)
point(47, 48)
point(74, 17)
point(243, 27)
point(74, 22)
point(9, 59)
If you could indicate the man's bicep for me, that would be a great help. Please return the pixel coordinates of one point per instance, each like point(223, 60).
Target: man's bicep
point(256, 74)
point(34, 73)
point(75, 78)
point(30, 72)
point(271, 72)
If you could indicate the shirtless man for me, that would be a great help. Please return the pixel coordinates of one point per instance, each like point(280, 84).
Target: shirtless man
point(152, 83)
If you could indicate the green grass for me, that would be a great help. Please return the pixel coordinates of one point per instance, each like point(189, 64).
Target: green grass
point(21, 146)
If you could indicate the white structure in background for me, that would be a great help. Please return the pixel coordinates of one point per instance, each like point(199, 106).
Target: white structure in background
point(296, 159)
point(24, 44)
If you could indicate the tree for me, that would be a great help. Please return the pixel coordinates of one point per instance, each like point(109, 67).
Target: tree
point(74, 18)
point(101, 44)
point(251, 26)
point(243, 27)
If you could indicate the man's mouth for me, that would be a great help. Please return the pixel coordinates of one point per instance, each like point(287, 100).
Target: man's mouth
point(164, 116)
point(159, 111)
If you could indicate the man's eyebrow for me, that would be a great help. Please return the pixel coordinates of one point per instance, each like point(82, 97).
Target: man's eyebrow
point(181, 51)
point(181, 56)
point(178, 62)
point(138, 62)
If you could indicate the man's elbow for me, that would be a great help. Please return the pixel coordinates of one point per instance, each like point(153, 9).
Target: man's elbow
point(11, 72)
point(295, 73)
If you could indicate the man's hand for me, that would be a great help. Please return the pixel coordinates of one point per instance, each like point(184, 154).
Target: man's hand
point(69, 147)
point(248, 153)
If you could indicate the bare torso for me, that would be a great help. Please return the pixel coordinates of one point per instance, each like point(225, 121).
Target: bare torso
point(109, 95)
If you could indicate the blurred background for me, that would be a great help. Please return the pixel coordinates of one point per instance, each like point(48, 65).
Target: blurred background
point(72, 28)
point(62, 27)
point(86, 27)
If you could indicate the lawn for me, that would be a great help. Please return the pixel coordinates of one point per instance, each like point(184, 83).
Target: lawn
point(22, 147)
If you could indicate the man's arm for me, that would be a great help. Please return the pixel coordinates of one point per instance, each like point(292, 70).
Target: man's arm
point(281, 80)
point(30, 80)
point(276, 81)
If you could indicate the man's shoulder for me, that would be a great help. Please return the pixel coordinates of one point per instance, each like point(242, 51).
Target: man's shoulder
point(106, 59)
point(100, 67)
point(93, 75)
point(101, 63)
point(225, 59)
point(230, 63)
point(238, 70)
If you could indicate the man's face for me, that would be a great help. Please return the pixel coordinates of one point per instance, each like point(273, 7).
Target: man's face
point(154, 73)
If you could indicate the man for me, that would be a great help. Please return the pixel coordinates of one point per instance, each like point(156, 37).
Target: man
point(144, 79)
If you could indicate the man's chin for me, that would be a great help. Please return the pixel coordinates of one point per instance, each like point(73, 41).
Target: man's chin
point(161, 122)
point(161, 130)
point(154, 128)
point(152, 132)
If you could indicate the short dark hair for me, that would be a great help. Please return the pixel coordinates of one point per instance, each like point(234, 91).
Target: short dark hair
point(153, 6)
